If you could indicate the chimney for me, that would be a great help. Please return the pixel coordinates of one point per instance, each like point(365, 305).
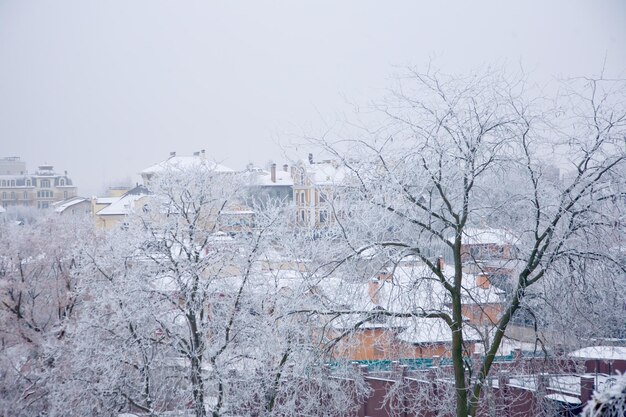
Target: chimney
point(172, 154)
point(273, 172)
point(310, 158)
point(440, 263)
point(586, 388)
point(503, 380)
point(543, 382)
point(372, 290)
point(436, 360)
point(482, 281)
point(202, 152)
point(385, 276)
point(286, 168)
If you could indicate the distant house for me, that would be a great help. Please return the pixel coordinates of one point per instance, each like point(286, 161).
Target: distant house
point(374, 333)
point(315, 185)
point(40, 189)
point(182, 163)
point(487, 244)
point(112, 211)
point(602, 359)
point(273, 186)
point(73, 206)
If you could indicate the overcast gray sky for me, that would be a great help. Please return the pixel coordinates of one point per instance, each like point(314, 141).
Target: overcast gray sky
point(104, 89)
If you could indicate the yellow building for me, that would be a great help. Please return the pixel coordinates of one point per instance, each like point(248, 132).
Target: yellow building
point(112, 211)
point(39, 189)
point(314, 187)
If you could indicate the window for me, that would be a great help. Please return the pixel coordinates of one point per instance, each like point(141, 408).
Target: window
point(25, 195)
point(28, 183)
point(12, 195)
point(65, 195)
point(62, 182)
point(4, 183)
point(323, 197)
point(323, 216)
point(12, 183)
point(4, 195)
point(44, 183)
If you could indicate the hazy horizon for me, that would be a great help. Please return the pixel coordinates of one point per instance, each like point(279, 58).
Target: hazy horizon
point(105, 89)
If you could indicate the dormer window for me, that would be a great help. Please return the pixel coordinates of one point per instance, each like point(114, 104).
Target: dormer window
point(62, 182)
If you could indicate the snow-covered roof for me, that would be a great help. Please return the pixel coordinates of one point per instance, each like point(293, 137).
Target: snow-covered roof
point(569, 399)
point(412, 288)
point(122, 206)
point(424, 330)
point(61, 206)
point(508, 346)
point(186, 162)
point(326, 173)
point(106, 200)
point(487, 236)
point(2, 209)
point(262, 177)
point(600, 352)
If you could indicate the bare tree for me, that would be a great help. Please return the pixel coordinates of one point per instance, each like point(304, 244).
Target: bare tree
point(452, 154)
point(40, 292)
point(187, 312)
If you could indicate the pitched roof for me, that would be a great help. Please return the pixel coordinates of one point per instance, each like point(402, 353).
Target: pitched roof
point(186, 162)
point(261, 177)
point(326, 173)
point(486, 236)
point(600, 352)
point(61, 206)
point(125, 204)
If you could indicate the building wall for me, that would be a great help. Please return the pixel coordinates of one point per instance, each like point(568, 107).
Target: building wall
point(84, 207)
point(482, 314)
point(312, 201)
point(37, 190)
point(382, 344)
point(12, 165)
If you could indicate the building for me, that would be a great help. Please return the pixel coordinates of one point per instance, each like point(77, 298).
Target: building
point(113, 211)
point(182, 163)
point(73, 206)
point(40, 189)
point(378, 324)
point(487, 244)
point(314, 187)
point(269, 187)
